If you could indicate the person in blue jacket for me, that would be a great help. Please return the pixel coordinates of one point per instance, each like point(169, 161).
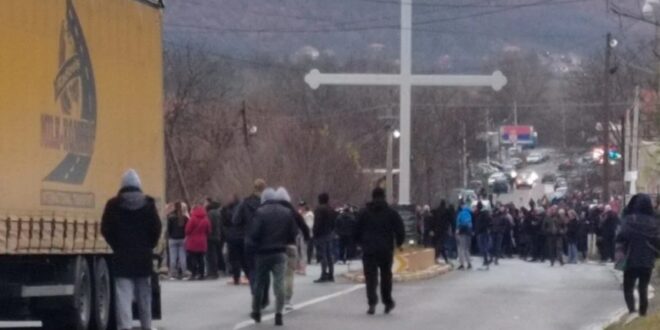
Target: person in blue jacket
point(464, 236)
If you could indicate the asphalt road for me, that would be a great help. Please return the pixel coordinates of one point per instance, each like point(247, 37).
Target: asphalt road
point(520, 197)
point(514, 295)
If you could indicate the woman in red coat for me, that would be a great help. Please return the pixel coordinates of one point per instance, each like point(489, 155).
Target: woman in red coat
point(197, 232)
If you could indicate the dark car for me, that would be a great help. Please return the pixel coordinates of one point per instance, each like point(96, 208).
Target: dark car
point(549, 178)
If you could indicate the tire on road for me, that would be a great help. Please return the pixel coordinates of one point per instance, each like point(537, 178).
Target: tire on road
point(76, 311)
point(102, 310)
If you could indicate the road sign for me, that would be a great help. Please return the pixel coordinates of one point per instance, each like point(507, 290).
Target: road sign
point(405, 80)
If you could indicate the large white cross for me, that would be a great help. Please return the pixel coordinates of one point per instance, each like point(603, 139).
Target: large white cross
point(405, 80)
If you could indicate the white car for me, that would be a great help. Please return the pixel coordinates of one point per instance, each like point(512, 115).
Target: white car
point(535, 158)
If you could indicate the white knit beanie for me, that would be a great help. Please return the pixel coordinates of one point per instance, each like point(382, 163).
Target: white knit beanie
point(131, 179)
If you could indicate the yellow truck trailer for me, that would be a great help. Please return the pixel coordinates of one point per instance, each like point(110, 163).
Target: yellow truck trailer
point(80, 102)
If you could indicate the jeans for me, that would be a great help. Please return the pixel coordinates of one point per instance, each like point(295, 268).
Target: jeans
point(372, 264)
point(127, 290)
point(483, 240)
point(572, 253)
point(177, 254)
point(630, 276)
point(197, 264)
point(276, 264)
point(291, 266)
point(324, 249)
point(237, 259)
point(464, 242)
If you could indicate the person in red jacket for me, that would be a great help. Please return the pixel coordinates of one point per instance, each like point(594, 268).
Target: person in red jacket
point(198, 229)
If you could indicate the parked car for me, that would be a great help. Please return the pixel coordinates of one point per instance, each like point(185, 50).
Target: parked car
point(500, 187)
point(536, 157)
point(567, 165)
point(549, 178)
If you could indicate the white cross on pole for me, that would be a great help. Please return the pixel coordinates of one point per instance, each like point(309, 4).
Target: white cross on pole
point(405, 81)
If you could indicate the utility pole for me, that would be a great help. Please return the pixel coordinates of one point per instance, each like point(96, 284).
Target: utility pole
point(389, 177)
point(245, 125)
point(634, 152)
point(515, 123)
point(606, 120)
point(465, 157)
point(488, 135)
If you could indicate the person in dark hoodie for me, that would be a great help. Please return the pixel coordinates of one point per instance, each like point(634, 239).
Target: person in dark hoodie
point(482, 228)
point(324, 227)
point(214, 255)
point(242, 221)
point(131, 226)
point(176, 235)
point(235, 241)
point(440, 229)
point(378, 231)
point(639, 241)
point(273, 228)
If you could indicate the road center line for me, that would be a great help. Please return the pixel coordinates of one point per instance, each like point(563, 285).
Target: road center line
point(302, 305)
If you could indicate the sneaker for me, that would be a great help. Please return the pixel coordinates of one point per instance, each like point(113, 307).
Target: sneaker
point(256, 317)
point(461, 267)
point(323, 279)
point(389, 307)
point(278, 320)
point(288, 307)
point(371, 310)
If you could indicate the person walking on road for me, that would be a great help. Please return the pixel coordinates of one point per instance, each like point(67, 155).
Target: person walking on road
point(379, 231)
point(464, 236)
point(214, 255)
point(131, 226)
point(235, 238)
point(242, 220)
point(572, 236)
point(482, 227)
point(638, 242)
point(176, 235)
point(324, 228)
point(346, 231)
point(197, 235)
point(293, 258)
point(273, 228)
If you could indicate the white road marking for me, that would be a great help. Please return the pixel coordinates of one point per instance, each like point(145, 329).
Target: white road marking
point(302, 305)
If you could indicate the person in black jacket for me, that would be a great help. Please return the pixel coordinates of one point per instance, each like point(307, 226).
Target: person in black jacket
point(324, 228)
point(242, 221)
point(346, 231)
point(379, 230)
point(273, 228)
point(131, 226)
point(176, 235)
point(608, 233)
point(440, 229)
point(639, 240)
point(482, 228)
point(214, 256)
point(235, 241)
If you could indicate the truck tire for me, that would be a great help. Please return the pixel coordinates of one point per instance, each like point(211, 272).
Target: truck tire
point(103, 294)
point(76, 311)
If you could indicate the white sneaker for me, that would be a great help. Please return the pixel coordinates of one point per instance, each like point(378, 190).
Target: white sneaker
point(288, 307)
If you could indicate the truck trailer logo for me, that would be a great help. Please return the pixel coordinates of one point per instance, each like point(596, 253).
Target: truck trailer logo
point(73, 129)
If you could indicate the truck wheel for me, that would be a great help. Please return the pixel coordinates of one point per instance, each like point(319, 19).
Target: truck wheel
point(102, 311)
point(76, 310)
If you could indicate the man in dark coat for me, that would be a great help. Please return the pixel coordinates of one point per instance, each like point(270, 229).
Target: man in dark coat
point(235, 239)
point(242, 221)
point(323, 230)
point(440, 228)
point(272, 229)
point(346, 231)
point(482, 228)
point(379, 230)
point(132, 227)
point(214, 255)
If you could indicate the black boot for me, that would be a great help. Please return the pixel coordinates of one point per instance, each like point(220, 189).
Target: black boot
point(389, 307)
point(371, 310)
point(278, 320)
point(256, 317)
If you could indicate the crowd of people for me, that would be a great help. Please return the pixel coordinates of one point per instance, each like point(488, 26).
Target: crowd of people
point(264, 236)
point(560, 232)
point(269, 240)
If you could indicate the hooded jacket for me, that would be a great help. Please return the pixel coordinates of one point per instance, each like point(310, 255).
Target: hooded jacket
point(131, 226)
point(379, 229)
point(230, 231)
point(198, 229)
point(273, 228)
point(639, 236)
point(215, 219)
